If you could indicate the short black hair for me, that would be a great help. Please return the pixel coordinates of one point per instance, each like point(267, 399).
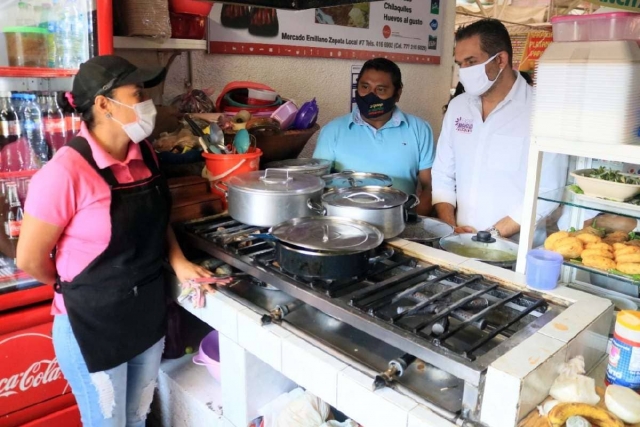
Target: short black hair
point(386, 66)
point(494, 37)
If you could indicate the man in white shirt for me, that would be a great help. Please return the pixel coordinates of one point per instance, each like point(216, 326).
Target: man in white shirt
point(480, 168)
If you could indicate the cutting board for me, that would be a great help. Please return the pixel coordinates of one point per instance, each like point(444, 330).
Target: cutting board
point(534, 419)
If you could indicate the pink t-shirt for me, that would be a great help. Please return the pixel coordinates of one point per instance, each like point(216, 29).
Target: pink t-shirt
point(68, 193)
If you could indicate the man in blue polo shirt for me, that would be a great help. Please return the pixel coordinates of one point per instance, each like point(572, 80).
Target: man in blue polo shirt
point(378, 137)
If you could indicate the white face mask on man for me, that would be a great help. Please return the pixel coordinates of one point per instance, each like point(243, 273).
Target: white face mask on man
point(143, 127)
point(475, 79)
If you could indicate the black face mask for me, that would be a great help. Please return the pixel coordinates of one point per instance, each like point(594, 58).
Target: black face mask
point(372, 107)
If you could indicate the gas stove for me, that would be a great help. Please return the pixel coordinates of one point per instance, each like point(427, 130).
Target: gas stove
point(454, 324)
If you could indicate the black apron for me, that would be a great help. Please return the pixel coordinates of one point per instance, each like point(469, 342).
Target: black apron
point(116, 305)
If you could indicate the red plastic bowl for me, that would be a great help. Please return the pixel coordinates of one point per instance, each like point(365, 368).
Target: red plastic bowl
point(193, 7)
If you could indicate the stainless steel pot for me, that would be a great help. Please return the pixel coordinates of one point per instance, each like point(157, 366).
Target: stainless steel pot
point(317, 167)
point(266, 198)
point(384, 207)
point(348, 179)
point(482, 247)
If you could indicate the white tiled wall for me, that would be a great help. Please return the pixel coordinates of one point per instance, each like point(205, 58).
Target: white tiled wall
point(278, 358)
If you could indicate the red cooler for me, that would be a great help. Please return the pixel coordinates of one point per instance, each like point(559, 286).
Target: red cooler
point(33, 392)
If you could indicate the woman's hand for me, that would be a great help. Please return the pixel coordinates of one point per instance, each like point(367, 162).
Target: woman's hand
point(464, 229)
point(186, 270)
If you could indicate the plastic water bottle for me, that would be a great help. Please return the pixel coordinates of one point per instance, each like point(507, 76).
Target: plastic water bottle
point(48, 22)
point(80, 31)
point(31, 120)
point(26, 16)
point(64, 34)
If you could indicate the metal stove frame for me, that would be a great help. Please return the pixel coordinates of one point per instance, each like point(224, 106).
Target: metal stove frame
point(469, 369)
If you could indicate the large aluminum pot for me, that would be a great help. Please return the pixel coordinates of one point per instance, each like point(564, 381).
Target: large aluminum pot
point(348, 179)
point(269, 197)
point(317, 167)
point(384, 207)
point(482, 247)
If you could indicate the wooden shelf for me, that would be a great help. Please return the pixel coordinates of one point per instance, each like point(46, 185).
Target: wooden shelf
point(142, 43)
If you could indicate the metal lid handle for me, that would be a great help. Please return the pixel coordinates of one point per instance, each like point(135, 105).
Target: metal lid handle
point(266, 180)
point(374, 198)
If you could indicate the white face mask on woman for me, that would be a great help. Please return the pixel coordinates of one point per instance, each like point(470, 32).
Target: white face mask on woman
point(475, 79)
point(143, 127)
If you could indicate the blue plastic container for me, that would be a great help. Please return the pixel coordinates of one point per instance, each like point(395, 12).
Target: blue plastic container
point(543, 269)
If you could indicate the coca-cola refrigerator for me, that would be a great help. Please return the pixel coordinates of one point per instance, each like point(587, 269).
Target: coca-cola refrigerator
point(42, 43)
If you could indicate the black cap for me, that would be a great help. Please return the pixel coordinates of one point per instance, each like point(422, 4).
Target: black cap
point(102, 74)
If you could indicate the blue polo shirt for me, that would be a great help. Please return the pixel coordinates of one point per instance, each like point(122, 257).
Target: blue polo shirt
point(400, 149)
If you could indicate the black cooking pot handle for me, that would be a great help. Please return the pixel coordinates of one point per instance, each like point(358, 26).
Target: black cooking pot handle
point(412, 202)
point(317, 208)
point(388, 253)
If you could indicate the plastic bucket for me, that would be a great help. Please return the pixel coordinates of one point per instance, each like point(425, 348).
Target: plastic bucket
point(209, 354)
point(223, 166)
point(543, 269)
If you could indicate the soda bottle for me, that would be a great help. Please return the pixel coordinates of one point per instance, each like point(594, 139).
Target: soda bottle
point(9, 125)
point(72, 119)
point(7, 247)
point(14, 214)
point(31, 120)
point(55, 128)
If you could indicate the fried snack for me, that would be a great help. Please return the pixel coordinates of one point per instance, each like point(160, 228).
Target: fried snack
point(559, 415)
point(599, 262)
point(617, 236)
point(588, 238)
point(628, 267)
point(597, 252)
point(634, 258)
point(634, 242)
point(602, 246)
point(569, 247)
point(627, 250)
point(619, 246)
point(591, 230)
point(552, 239)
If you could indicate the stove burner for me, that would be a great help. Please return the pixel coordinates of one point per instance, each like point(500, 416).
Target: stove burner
point(465, 314)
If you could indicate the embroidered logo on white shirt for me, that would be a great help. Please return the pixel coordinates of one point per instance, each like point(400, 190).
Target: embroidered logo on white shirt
point(464, 125)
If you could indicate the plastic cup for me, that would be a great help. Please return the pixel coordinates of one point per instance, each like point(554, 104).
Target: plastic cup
point(543, 269)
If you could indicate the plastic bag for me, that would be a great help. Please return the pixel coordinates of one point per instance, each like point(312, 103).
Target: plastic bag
point(194, 101)
point(304, 411)
point(572, 386)
point(333, 423)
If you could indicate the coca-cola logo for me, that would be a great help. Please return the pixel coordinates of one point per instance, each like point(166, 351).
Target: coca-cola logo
point(29, 371)
point(39, 373)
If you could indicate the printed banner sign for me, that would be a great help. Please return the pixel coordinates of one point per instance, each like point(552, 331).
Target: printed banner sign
point(537, 43)
point(632, 5)
point(401, 30)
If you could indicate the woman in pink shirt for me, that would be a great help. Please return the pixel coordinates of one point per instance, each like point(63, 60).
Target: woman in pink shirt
point(102, 205)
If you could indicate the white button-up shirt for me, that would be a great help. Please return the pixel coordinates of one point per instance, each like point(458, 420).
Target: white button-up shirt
point(481, 166)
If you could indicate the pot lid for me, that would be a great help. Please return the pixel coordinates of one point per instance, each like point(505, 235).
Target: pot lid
point(370, 197)
point(480, 246)
point(301, 165)
point(327, 233)
point(276, 181)
point(426, 229)
point(346, 179)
